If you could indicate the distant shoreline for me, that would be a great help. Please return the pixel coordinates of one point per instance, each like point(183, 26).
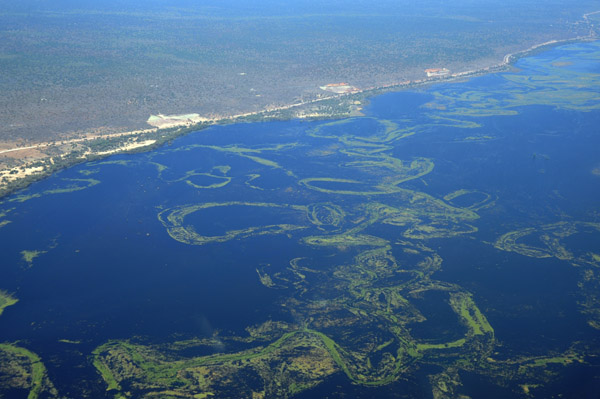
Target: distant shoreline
point(508, 60)
point(17, 178)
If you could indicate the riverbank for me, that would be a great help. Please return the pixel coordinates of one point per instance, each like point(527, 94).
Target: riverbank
point(25, 164)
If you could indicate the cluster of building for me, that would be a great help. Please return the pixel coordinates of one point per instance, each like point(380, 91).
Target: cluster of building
point(339, 88)
point(344, 88)
point(437, 72)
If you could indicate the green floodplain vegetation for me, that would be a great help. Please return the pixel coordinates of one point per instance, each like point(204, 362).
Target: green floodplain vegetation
point(357, 314)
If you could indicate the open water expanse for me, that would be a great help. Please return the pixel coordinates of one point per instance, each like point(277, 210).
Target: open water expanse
point(446, 244)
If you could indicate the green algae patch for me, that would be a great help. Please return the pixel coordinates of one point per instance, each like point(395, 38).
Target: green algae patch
point(470, 199)
point(71, 186)
point(251, 178)
point(221, 181)
point(265, 279)
point(377, 131)
point(550, 241)
point(325, 215)
point(345, 240)
point(454, 344)
point(543, 362)
point(298, 360)
point(396, 173)
point(215, 178)
point(69, 341)
point(437, 230)
point(6, 300)
point(475, 139)
point(251, 153)
point(175, 222)
point(29, 255)
point(465, 307)
point(104, 370)
point(316, 184)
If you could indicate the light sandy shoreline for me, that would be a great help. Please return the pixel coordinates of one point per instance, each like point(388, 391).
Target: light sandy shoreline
point(9, 175)
point(128, 147)
point(19, 173)
point(77, 140)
